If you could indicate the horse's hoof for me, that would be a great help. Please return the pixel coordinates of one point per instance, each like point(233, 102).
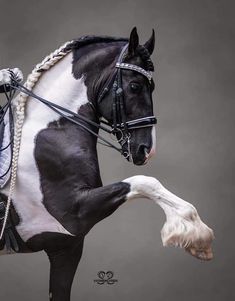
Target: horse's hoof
point(203, 254)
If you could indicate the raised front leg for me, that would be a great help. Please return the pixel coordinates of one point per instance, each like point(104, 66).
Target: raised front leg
point(63, 267)
point(183, 226)
point(93, 205)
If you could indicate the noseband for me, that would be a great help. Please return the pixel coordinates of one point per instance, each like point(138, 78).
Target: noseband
point(120, 124)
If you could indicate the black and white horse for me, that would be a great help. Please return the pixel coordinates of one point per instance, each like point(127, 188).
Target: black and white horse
point(58, 195)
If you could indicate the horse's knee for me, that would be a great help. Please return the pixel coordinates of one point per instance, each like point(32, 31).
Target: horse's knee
point(141, 185)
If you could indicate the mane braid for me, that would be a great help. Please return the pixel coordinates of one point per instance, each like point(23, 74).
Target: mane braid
point(32, 79)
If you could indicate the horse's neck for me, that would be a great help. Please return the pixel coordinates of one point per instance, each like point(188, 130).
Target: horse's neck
point(59, 86)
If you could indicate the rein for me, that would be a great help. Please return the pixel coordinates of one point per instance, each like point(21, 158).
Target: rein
point(73, 117)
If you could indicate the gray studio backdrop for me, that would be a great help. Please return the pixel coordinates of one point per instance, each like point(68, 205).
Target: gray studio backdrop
point(194, 101)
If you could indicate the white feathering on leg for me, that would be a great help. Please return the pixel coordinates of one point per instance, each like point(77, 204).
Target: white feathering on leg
point(183, 226)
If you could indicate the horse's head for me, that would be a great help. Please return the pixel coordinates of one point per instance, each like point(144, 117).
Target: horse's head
point(128, 105)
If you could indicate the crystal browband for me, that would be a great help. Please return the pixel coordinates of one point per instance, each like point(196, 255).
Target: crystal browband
point(147, 74)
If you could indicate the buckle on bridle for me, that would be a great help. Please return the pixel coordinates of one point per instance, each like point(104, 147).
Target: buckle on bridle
point(115, 132)
point(127, 154)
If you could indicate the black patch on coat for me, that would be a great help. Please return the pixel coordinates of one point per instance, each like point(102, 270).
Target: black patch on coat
point(66, 157)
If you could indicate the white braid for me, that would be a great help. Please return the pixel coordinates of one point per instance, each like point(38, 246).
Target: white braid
point(32, 79)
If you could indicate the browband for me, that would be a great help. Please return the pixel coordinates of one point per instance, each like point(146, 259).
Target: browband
point(138, 69)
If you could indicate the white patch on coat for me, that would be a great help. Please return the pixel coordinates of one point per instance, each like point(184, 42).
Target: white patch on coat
point(183, 225)
point(153, 148)
point(154, 138)
point(56, 85)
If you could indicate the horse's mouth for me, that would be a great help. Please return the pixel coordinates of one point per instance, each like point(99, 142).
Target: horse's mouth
point(139, 158)
point(142, 162)
point(143, 159)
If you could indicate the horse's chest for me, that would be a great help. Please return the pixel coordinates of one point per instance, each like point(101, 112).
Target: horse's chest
point(52, 167)
point(65, 156)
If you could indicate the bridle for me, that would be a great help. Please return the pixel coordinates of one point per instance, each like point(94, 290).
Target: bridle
point(120, 126)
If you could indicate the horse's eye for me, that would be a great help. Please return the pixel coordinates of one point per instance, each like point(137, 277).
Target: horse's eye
point(135, 87)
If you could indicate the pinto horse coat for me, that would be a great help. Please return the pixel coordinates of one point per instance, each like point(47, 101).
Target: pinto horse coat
point(59, 194)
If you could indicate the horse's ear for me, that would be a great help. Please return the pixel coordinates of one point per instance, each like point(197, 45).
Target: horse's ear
point(150, 43)
point(133, 41)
